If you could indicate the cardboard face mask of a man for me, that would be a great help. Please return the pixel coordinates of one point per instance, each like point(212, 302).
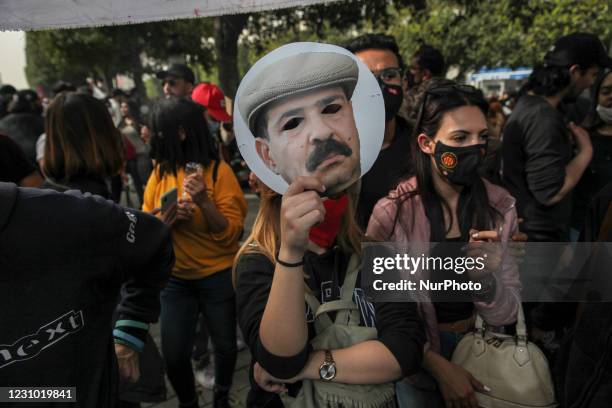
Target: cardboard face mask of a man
point(299, 111)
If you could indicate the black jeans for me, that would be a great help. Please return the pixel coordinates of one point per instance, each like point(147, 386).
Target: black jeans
point(182, 301)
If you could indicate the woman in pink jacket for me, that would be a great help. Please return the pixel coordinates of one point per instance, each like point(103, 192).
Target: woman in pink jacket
point(446, 201)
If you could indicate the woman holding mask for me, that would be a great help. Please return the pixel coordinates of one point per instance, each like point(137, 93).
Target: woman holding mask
point(445, 201)
point(303, 247)
point(206, 222)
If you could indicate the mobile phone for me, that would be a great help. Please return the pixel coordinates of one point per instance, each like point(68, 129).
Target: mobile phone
point(168, 198)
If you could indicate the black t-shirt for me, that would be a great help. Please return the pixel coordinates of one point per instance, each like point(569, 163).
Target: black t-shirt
point(595, 177)
point(449, 312)
point(63, 260)
point(536, 149)
point(399, 326)
point(14, 166)
point(392, 163)
point(595, 216)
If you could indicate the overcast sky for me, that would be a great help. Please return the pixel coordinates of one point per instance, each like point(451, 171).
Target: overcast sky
point(12, 64)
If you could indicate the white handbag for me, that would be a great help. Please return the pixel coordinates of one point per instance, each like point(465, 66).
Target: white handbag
point(515, 370)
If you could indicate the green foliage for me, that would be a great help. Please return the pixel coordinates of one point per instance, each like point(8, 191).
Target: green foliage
point(74, 54)
point(331, 23)
point(152, 88)
point(472, 34)
point(559, 17)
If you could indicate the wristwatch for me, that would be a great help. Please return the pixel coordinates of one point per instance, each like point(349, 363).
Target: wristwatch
point(327, 371)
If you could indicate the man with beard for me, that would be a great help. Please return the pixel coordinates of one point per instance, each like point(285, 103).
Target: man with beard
point(299, 110)
point(177, 80)
point(539, 167)
point(381, 55)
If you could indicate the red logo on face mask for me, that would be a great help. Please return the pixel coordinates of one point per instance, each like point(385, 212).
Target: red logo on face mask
point(449, 160)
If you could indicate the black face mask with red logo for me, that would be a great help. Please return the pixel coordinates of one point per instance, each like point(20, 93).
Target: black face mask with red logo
point(459, 164)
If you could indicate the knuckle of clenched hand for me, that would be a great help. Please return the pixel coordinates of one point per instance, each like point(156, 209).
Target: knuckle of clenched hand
point(312, 195)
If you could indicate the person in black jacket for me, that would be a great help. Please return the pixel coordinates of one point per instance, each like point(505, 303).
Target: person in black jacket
point(540, 168)
point(272, 313)
point(64, 258)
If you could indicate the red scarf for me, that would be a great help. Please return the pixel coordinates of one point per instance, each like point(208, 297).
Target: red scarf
point(324, 234)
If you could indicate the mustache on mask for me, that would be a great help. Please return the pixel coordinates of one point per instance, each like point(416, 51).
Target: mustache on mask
point(325, 149)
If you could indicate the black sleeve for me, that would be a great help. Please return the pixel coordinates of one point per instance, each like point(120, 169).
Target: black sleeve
point(401, 330)
point(14, 166)
point(595, 215)
point(254, 274)
point(145, 257)
point(546, 153)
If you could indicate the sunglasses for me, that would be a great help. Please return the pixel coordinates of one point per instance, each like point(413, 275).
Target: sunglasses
point(170, 82)
point(388, 75)
point(445, 90)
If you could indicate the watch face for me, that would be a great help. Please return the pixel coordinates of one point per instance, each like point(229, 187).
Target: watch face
point(327, 371)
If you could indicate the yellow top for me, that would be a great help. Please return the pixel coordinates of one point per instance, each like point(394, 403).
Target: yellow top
point(200, 253)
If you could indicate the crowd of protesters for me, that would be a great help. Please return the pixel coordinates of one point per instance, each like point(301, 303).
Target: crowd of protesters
point(531, 166)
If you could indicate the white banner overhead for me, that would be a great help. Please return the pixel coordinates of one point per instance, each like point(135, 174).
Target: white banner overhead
point(50, 14)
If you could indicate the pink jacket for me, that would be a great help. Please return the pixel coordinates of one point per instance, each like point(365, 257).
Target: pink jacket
point(503, 309)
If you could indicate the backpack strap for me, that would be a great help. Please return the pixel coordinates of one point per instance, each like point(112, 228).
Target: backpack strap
point(8, 197)
point(351, 316)
point(336, 305)
point(348, 312)
point(346, 294)
point(322, 321)
point(352, 270)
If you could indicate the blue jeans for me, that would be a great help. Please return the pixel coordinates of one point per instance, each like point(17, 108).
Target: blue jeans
point(182, 301)
point(410, 396)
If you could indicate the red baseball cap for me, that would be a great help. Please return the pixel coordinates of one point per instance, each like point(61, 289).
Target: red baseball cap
point(212, 98)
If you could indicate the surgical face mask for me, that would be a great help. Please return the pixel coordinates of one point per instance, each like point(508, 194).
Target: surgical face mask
point(605, 114)
point(459, 164)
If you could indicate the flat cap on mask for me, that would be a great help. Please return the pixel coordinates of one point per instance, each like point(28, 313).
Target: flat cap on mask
point(294, 75)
